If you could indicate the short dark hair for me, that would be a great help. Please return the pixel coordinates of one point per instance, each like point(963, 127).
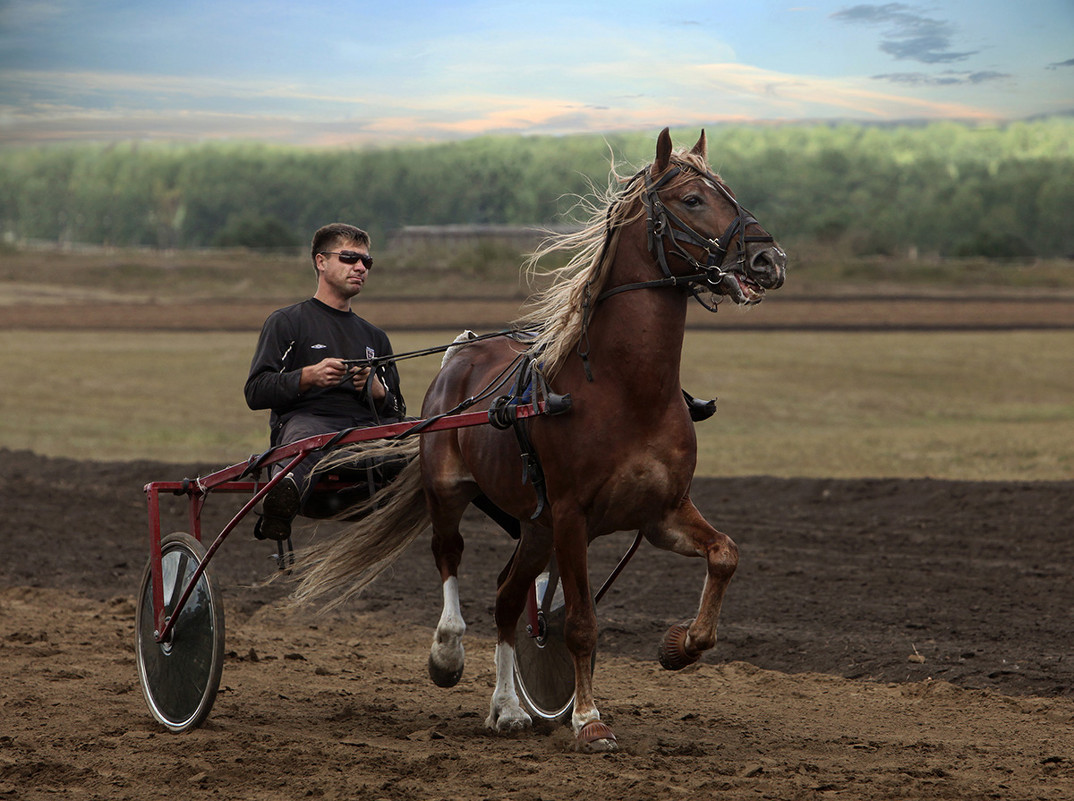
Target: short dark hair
point(330, 236)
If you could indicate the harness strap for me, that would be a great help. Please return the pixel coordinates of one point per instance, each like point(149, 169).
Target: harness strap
point(686, 282)
point(529, 383)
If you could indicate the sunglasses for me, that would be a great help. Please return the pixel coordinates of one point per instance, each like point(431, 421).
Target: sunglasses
point(350, 257)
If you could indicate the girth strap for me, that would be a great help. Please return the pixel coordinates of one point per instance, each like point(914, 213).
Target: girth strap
point(530, 382)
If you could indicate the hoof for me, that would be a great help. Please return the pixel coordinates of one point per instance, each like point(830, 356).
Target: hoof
point(442, 677)
point(672, 653)
point(509, 724)
point(595, 737)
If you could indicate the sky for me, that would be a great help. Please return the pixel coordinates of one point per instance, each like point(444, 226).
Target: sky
point(337, 73)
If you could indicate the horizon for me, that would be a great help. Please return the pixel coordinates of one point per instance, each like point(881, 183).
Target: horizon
point(388, 145)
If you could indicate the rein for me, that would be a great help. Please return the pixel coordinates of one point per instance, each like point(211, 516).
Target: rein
point(391, 358)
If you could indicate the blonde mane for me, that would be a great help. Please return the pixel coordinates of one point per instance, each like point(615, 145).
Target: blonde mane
point(556, 315)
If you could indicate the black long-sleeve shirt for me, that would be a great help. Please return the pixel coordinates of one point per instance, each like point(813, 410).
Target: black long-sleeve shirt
point(305, 334)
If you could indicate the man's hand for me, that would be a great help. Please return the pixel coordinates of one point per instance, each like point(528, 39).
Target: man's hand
point(331, 372)
point(361, 376)
point(326, 373)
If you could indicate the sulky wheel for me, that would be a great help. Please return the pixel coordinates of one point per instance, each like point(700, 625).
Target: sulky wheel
point(180, 677)
point(544, 668)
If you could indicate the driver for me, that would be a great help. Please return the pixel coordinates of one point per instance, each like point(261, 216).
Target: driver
point(298, 370)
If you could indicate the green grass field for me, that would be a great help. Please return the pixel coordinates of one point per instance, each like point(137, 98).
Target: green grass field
point(944, 405)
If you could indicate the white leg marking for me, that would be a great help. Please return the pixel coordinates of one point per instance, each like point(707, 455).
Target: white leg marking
point(505, 712)
point(447, 651)
point(579, 719)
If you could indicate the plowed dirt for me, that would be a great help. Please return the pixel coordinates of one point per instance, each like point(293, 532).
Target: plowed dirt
point(882, 639)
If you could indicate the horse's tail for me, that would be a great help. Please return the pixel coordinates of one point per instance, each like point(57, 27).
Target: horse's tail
point(386, 526)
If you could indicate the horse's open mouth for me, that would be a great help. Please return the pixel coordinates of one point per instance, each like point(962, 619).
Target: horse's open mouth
point(749, 291)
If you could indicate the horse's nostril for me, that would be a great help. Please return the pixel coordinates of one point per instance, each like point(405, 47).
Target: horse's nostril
point(767, 267)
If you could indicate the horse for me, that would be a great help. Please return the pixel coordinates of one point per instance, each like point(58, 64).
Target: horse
point(607, 331)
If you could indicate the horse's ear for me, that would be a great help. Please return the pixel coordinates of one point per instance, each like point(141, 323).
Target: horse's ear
point(663, 153)
point(702, 147)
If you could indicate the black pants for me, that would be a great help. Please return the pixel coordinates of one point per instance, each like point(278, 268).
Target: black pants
point(302, 426)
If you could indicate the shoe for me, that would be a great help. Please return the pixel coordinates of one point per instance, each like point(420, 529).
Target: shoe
point(699, 409)
point(279, 508)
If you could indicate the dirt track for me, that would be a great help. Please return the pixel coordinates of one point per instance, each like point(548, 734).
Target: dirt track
point(811, 692)
point(909, 310)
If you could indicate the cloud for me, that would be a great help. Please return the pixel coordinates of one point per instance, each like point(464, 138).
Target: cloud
point(802, 96)
point(1068, 63)
point(948, 78)
point(103, 106)
point(907, 34)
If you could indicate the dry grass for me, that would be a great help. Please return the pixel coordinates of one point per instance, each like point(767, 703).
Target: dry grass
point(945, 405)
point(950, 405)
point(954, 405)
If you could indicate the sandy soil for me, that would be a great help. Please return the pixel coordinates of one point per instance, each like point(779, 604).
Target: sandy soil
point(883, 639)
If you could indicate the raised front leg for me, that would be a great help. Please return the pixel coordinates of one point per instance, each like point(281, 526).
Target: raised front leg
point(686, 532)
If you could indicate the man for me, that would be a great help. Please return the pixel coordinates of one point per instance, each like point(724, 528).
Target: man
point(299, 372)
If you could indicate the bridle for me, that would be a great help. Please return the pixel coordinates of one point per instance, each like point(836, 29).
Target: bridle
point(666, 232)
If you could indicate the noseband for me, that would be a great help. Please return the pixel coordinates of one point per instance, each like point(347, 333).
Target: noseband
point(666, 233)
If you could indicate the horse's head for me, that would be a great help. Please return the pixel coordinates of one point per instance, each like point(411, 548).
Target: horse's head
point(676, 211)
point(700, 232)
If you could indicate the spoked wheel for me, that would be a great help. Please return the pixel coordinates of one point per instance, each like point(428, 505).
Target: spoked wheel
point(544, 669)
point(180, 676)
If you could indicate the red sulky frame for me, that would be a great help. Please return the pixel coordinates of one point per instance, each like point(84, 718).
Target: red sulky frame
point(229, 480)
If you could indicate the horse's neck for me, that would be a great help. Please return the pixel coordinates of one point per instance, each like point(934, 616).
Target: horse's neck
point(636, 336)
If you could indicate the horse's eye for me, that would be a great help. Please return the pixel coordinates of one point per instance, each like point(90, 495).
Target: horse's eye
point(691, 201)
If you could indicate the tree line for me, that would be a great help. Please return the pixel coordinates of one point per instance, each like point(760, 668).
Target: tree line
point(951, 188)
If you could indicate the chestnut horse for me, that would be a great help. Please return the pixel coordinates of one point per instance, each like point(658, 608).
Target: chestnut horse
point(608, 332)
